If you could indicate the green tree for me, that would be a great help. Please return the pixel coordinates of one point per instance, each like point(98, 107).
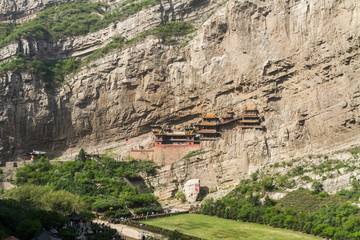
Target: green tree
point(175, 235)
point(28, 228)
point(180, 196)
point(82, 155)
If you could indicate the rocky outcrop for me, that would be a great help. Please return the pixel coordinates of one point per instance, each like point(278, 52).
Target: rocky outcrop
point(13, 10)
point(296, 61)
point(192, 189)
point(221, 165)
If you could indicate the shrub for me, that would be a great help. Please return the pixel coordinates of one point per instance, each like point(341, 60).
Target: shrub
point(268, 202)
point(194, 153)
point(52, 73)
point(284, 181)
point(345, 193)
point(72, 18)
point(298, 170)
point(81, 156)
point(306, 178)
point(180, 196)
point(267, 183)
point(149, 210)
point(355, 151)
point(99, 182)
point(254, 175)
point(317, 187)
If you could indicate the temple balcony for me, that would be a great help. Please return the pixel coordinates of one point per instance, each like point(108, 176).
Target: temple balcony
point(208, 124)
point(250, 121)
point(208, 138)
point(208, 131)
point(252, 126)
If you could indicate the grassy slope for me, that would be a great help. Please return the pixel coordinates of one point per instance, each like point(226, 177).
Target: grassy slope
point(303, 201)
point(208, 227)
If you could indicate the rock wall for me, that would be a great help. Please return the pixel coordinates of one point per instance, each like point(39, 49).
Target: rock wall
point(168, 155)
point(32, 118)
point(165, 155)
point(20, 10)
point(296, 60)
point(221, 165)
point(142, 154)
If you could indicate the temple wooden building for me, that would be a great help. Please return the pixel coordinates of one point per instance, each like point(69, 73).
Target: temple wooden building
point(251, 119)
point(168, 137)
point(170, 146)
point(228, 118)
point(208, 128)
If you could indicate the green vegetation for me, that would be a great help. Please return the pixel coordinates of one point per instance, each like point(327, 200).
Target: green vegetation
point(146, 210)
point(99, 183)
point(207, 227)
point(354, 151)
point(194, 153)
point(306, 178)
point(52, 73)
point(116, 43)
point(24, 221)
point(312, 212)
point(180, 196)
point(6, 29)
point(303, 200)
point(77, 18)
point(291, 174)
point(47, 198)
point(55, 22)
point(166, 32)
point(73, 18)
point(48, 191)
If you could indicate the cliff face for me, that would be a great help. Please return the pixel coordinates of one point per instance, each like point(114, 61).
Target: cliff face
point(296, 60)
point(20, 10)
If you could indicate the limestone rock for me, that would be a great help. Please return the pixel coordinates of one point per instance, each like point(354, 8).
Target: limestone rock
point(23, 9)
point(279, 55)
point(332, 186)
point(192, 189)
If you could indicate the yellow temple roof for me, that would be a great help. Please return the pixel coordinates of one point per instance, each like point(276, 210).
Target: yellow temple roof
point(209, 115)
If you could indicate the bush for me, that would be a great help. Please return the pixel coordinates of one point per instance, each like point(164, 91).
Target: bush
point(332, 221)
point(298, 170)
point(22, 219)
point(99, 182)
point(267, 183)
point(355, 151)
point(72, 18)
point(117, 213)
point(149, 210)
point(193, 153)
point(345, 193)
point(180, 196)
point(317, 187)
point(306, 178)
point(52, 73)
point(254, 175)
